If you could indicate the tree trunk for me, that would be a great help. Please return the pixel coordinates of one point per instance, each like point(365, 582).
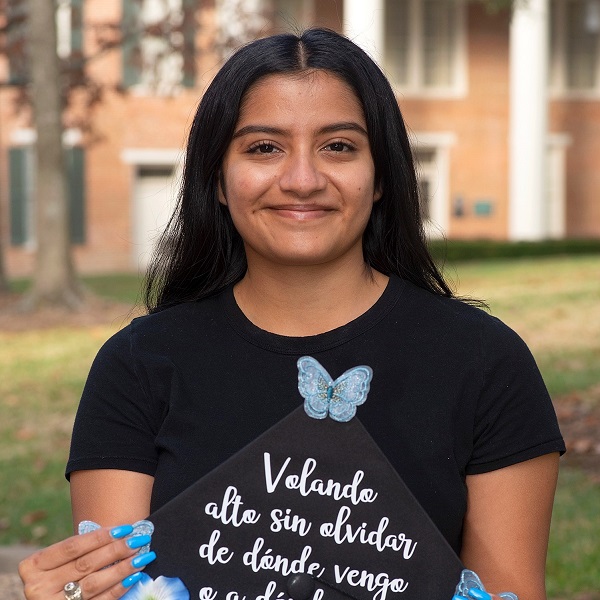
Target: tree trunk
point(4, 286)
point(54, 281)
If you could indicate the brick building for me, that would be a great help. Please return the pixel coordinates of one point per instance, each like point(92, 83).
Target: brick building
point(504, 114)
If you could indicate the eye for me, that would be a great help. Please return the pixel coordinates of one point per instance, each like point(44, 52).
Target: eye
point(263, 148)
point(340, 147)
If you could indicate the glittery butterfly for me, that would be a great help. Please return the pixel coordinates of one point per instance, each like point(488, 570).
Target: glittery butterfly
point(337, 398)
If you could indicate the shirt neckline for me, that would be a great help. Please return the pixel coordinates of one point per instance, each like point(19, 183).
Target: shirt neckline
point(313, 343)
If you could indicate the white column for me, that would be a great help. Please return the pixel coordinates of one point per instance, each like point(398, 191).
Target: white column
point(528, 120)
point(363, 24)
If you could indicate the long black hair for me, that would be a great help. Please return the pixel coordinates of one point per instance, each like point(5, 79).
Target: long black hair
point(201, 252)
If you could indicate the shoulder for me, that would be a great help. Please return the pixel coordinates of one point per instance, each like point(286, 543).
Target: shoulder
point(454, 316)
point(450, 330)
point(179, 321)
point(167, 329)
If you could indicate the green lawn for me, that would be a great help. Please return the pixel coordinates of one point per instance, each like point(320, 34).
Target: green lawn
point(554, 303)
point(121, 287)
point(574, 555)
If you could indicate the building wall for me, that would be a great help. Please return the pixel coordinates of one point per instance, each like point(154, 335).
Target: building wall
point(475, 128)
point(580, 120)
point(131, 121)
point(479, 122)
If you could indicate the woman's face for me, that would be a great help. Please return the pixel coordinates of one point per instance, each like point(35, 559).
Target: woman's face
point(298, 176)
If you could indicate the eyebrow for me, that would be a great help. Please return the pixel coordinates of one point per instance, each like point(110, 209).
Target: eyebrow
point(332, 128)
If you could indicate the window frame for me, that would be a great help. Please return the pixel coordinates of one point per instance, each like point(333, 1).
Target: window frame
point(131, 52)
point(415, 87)
point(22, 199)
point(303, 15)
point(438, 174)
point(558, 60)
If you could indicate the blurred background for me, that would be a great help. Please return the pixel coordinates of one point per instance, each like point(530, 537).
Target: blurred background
point(502, 100)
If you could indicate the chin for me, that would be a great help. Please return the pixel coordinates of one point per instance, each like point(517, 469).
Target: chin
point(307, 255)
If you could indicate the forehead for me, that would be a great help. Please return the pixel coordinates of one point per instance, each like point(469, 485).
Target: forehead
point(314, 96)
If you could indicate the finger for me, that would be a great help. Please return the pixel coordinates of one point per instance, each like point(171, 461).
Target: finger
point(116, 578)
point(42, 583)
point(74, 547)
point(477, 594)
point(114, 581)
point(95, 572)
point(121, 588)
point(107, 564)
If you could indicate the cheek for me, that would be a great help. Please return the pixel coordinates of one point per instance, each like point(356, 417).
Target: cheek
point(245, 186)
point(363, 195)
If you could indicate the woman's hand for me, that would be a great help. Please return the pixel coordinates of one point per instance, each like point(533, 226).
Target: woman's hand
point(470, 587)
point(100, 562)
point(479, 596)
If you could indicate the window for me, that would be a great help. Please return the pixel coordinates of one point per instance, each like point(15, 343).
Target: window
point(238, 22)
point(68, 30)
point(575, 47)
point(556, 179)
point(424, 48)
point(21, 163)
point(427, 175)
point(431, 153)
point(153, 204)
point(16, 12)
point(290, 15)
point(159, 48)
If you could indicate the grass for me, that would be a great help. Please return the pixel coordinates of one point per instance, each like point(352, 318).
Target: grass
point(574, 554)
point(41, 377)
point(553, 302)
point(121, 287)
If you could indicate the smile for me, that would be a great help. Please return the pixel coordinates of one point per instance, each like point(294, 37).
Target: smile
point(301, 212)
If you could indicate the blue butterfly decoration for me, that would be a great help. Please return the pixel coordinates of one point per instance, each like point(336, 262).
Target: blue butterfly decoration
point(323, 396)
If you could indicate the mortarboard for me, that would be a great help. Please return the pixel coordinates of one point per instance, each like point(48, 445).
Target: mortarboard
point(310, 510)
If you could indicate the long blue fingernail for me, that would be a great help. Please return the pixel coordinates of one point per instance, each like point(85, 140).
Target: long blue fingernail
point(121, 531)
point(129, 581)
point(479, 594)
point(143, 559)
point(458, 598)
point(138, 541)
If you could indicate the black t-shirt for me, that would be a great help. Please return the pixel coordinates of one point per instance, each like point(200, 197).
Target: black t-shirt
point(454, 392)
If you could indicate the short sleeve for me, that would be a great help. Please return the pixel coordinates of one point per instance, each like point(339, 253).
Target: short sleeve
point(116, 422)
point(515, 419)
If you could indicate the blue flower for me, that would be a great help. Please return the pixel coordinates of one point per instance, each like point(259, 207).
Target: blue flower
point(161, 588)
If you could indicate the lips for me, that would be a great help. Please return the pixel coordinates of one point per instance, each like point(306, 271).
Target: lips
point(301, 212)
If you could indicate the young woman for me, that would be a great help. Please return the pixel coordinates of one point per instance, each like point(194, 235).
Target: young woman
point(298, 232)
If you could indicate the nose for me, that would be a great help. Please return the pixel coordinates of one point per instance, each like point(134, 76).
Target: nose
point(301, 175)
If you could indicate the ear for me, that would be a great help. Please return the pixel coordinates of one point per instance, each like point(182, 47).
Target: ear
point(378, 192)
point(221, 188)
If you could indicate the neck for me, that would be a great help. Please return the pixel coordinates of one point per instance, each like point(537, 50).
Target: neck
point(301, 301)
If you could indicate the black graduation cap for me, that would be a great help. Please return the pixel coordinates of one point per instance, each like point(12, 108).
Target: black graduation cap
point(310, 510)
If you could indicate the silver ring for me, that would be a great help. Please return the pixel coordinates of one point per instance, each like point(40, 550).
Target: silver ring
point(72, 591)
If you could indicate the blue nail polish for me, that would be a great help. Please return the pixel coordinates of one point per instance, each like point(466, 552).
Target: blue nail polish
point(138, 541)
point(121, 531)
point(129, 581)
point(479, 594)
point(458, 598)
point(143, 559)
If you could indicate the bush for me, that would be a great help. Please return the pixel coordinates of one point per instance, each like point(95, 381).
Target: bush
point(461, 250)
